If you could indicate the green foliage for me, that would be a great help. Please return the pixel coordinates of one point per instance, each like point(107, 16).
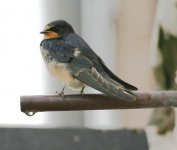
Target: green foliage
point(165, 72)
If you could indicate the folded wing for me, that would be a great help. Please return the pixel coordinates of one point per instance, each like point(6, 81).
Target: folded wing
point(83, 70)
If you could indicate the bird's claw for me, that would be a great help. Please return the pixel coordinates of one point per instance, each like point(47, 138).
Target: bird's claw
point(82, 93)
point(61, 94)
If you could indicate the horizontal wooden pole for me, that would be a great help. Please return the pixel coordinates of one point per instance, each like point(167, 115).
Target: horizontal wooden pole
point(96, 102)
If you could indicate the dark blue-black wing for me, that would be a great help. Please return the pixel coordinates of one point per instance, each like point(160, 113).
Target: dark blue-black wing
point(96, 60)
point(83, 70)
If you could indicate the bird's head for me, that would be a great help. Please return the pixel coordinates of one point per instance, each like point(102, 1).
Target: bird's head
point(57, 29)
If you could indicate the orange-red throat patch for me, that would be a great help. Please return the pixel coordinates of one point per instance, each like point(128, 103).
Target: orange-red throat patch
point(51, 35)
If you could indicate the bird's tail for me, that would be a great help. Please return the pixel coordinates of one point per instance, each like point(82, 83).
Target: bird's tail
point(124, 94)
point(93, 79)
point(109, 88)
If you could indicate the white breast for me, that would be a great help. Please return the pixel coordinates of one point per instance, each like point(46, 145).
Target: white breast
point(61, 73)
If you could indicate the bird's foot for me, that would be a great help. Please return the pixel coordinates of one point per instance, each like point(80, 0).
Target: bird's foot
point(82, 91)
point(61, 94)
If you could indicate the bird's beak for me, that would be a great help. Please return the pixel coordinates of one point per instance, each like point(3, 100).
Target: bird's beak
point(44, 32)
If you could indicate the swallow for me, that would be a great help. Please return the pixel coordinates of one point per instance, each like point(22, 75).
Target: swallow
point(72, 61)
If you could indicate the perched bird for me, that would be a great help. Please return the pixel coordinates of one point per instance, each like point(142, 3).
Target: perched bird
point(70, 60)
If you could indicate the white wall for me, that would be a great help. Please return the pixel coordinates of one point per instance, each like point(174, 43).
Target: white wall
point(21, 72)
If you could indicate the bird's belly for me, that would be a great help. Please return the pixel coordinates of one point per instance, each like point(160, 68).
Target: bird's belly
point(61, 73)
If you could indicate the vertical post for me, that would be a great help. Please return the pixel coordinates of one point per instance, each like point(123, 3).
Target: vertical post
point(70, 11)
point(134, 26)
point(98, 29)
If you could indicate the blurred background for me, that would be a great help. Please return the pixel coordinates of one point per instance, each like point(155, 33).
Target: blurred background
point(127, 34)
